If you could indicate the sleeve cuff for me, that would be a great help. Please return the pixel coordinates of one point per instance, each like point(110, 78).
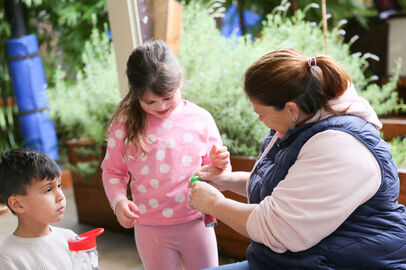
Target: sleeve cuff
point(116, 200)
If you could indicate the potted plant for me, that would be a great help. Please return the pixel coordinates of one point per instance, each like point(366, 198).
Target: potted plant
point(81, 111)
point(214, 69)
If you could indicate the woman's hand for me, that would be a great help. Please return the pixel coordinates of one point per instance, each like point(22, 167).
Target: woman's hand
point(213, 175)
point(203, 197)
point(219, 157)
point(127, 213)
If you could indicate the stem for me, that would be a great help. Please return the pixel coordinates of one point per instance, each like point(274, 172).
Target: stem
point(323, 12)
point(241, 11)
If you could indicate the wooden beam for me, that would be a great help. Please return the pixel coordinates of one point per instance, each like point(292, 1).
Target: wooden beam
point(124, 26)
point(166, 21)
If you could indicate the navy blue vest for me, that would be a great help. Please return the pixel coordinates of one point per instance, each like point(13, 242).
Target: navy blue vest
point(373, 236)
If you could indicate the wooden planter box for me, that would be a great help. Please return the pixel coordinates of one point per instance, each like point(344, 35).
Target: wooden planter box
point(393, 127)
point(91, 202)
point(229, 242)
point(402, 193)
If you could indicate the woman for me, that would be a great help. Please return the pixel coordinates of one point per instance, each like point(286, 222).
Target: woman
point(323, 193)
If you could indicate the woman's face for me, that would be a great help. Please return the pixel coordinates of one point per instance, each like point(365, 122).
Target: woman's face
point(279, 120)
point(160, 106)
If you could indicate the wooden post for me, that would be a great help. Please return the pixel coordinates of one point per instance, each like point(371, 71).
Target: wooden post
point(125, 33)
point(324, 17)
point(166, 21)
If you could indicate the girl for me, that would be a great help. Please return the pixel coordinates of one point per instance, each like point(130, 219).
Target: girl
point(158, 140)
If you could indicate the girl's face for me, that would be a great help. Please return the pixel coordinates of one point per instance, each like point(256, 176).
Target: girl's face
point(160, 106)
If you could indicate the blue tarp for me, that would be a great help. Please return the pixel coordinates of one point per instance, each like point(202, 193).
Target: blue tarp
point(29, 84)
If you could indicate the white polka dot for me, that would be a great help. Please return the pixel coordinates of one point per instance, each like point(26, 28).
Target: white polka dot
point(160, 155)
point(122, 119)
point(164, 168)
point(143, 157)
point(181, 179)
point(142, 208)
point(151, 138)
point(187, 137)
point(142, 188)
point(145, 170)
point(167, 212)
point(154, 183)
point(119, 134)
point(114, 181)
point(124, 191)
point(199, 125)
point(186, 160)
point(170, 143)
point(180, 197)
point(153, 203)
point(111, 143)
point(106, 157)
point(168, 124)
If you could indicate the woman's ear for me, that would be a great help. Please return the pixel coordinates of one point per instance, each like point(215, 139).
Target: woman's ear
point(293, 110)
point(15, 204)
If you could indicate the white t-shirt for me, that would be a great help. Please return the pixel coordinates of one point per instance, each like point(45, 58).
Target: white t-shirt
point(38, 253)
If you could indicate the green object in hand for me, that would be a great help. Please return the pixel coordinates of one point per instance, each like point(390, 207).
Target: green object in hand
point(209, 221)
point(194, 179)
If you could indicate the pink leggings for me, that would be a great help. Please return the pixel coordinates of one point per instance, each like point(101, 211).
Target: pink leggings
point(190, 244)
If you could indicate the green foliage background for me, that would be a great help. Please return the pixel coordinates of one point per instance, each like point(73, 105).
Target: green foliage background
point(214, 69)
point(62, 28)
point(83, 83)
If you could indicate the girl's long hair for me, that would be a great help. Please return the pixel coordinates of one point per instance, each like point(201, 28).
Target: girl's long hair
point(150, 67)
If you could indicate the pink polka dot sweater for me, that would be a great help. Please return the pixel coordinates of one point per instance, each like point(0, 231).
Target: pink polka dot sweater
point(178, 146)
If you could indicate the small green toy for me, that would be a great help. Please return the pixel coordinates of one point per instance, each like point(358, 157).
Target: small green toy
point(209, 221)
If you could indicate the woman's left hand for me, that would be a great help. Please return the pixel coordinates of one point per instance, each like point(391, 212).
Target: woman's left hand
point(204, 197)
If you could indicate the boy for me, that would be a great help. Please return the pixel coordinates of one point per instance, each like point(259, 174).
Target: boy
point(30, 184)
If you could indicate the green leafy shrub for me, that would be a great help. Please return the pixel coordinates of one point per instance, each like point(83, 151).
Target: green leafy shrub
point(214, 69)
point(398, 149)
point(82, 109)
point(10, 136)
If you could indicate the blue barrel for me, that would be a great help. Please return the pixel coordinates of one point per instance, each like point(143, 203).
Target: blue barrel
point(30, 90)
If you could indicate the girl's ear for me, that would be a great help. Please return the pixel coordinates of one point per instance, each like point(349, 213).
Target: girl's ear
point(15, 204)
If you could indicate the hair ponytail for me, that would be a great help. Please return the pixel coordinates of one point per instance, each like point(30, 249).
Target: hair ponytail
point(288, 75)
point(335, 77)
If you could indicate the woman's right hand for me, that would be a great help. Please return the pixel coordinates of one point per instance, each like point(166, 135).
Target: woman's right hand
point(127, 213)
point(213, 175)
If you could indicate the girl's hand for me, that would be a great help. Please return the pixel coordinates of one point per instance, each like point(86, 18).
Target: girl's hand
point(219, 157)
point(203, 197)
point(127, 213)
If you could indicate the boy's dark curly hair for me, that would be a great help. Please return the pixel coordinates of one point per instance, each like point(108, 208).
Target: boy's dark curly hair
point(20, 167)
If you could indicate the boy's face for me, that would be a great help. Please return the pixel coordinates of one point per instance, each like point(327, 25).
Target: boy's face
point(45, 202)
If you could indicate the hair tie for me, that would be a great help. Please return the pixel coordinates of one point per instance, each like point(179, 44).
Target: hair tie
point(310, 61)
